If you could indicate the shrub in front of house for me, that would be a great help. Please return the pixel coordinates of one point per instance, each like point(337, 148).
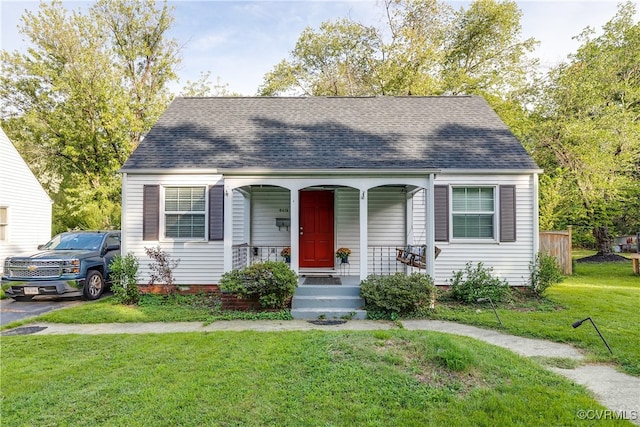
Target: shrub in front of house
point(543, 273)
point(272, 282)
point(478, 282)
point(397, 294)
point(124, 273)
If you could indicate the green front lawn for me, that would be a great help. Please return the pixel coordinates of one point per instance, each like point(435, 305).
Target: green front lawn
point(152, 308)
point(374, 378)
point(608, 293)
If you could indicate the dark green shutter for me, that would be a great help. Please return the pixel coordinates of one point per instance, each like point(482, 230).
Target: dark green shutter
point(507, 213)
point(151, 212)
point(216, 212)
point(441, 212)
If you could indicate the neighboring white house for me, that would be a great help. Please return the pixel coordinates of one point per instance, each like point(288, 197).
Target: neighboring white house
point(25, 208)
point(223, 182)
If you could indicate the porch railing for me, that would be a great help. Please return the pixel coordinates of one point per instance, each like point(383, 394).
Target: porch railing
point(244, 254)
point(381, 259)
point(240, 256)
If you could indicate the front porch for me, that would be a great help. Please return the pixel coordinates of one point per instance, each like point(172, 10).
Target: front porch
point(312, 218)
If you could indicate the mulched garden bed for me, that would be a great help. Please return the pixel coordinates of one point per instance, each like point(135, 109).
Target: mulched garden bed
point(603, 258)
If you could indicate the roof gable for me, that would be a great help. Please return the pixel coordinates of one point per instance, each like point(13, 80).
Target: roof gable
point(320, 133)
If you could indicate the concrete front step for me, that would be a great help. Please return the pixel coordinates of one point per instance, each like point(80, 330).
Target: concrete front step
point(329, 314)
point(327, 290)
point(327, 302)
point(334, 301)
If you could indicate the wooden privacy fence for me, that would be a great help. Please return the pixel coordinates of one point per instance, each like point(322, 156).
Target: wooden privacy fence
point(558, 245)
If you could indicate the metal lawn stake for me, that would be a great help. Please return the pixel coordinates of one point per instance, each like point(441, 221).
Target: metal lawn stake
point(580, 322)
point(492, 306)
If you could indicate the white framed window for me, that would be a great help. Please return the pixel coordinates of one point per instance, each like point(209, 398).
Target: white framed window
point(473, 212)
point(185, 213)
point(4, 223)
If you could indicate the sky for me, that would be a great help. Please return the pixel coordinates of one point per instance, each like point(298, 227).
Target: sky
point(238, 42)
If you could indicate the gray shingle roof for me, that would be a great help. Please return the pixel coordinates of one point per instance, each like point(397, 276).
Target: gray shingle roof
point(330, 133)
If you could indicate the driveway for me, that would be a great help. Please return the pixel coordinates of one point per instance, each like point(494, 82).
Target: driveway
point(11, 311)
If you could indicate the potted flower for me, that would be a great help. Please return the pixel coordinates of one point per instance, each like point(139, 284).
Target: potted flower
point(286, 254)
point(343, 254)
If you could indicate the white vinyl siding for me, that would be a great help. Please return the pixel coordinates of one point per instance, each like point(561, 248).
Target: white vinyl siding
point(347, 225)
point(395, 218)
point(387, 231)
point(27, 206)
point(416, 231)
point(241, 206)
point(509, 260)
point(267, 204)
point(387, 212)
point(201, 262)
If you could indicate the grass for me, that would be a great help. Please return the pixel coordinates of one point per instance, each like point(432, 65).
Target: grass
point(371, 378)
point(153, 308)
point(608, 293)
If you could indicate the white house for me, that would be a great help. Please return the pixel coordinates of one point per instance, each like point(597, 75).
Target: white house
point(25, 208)
point(223, 182)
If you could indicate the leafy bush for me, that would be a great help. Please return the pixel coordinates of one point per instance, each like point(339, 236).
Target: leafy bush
point(478, 282)
point(398, 293)
point(544, 272)
point(124, 274)
point(273, 282)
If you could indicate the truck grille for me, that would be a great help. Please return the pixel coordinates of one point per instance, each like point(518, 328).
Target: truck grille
point(34, 269)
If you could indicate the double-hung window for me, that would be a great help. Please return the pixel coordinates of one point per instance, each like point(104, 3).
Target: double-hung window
point(185, 212)
point(473, 212)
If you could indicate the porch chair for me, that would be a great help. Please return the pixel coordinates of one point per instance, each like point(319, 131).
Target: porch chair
point(414, 255)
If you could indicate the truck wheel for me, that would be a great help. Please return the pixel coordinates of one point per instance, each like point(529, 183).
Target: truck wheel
point(94, 285)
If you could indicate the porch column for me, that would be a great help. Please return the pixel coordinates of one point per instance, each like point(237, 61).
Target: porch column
point(294, 210)
point(364, 234)
point(536, 222)
point(430, 230)
point(228, 228)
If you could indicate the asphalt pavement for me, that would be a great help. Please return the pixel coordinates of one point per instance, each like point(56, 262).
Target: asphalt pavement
point(12, 311)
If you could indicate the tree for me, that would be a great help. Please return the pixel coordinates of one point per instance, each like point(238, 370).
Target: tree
point(589, 133)
point(340, 59)
point(426, 48)
point(204, 87)
point(484, 54)
point(83, 95)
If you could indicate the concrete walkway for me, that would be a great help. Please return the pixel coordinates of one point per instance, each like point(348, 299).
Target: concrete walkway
point(618, 392)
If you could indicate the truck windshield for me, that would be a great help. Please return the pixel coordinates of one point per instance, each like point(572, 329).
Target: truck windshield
point(75, 241)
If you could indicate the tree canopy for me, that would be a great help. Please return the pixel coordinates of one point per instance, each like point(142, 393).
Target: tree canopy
point(82, 97)
point(91, 84)
point(425, 48)
point(588, 134)
point(580, 122)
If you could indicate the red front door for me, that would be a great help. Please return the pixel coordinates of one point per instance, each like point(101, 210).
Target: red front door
point(316, 229)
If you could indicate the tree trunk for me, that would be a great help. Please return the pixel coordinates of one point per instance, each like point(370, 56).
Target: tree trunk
point(603, 240)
